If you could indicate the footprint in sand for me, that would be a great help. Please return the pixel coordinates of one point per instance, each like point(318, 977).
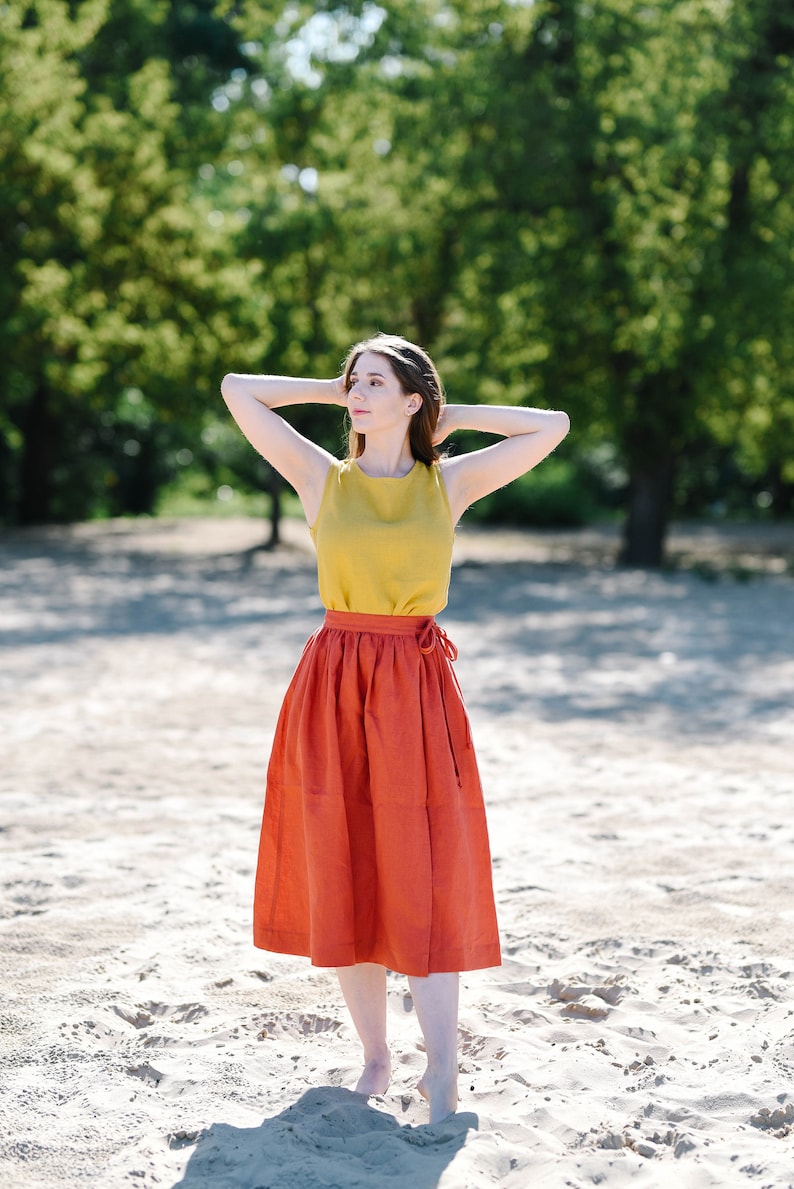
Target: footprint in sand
point(165, 1084)
point(294, 1023)
point(779, 1121)
point(585, 1011)
point(578, 996)
point(28, 897)
point(147, 1073)
point(144, 1014)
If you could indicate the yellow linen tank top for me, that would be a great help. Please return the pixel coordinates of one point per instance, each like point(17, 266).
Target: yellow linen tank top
point(384, 546)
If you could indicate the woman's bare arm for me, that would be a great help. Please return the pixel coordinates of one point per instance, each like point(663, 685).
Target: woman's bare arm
point(252, 401)
point(529, 435)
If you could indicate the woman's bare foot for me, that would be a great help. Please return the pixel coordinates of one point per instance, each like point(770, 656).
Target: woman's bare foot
point(376, 1076)
point(441, 1091)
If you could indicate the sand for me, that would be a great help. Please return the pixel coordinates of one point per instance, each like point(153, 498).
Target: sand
point(636, 738)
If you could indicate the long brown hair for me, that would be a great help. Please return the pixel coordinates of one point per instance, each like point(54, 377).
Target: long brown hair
point(415, 372)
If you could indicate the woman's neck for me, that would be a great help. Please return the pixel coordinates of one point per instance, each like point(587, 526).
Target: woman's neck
point(384, 460)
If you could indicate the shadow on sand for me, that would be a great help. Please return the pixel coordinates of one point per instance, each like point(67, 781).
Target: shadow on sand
point(329, 1138)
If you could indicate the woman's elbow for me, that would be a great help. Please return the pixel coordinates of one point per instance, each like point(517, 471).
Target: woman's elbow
point(229, 386)
point(563, 424)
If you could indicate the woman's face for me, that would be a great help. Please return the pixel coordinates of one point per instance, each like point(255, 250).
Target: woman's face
point(375, 400)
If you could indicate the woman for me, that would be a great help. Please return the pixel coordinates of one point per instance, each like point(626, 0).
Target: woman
point(374, 849)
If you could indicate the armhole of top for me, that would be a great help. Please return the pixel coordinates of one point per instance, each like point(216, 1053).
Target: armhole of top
point(333, 470)
point(447, 504)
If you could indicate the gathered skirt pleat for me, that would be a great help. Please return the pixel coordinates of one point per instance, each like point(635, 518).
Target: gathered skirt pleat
point(374, 844)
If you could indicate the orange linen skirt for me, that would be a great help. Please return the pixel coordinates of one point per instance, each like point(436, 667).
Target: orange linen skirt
point(374, 845)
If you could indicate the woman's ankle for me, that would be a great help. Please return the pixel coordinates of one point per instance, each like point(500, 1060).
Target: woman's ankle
point(439, 1085)
point(376, 1075)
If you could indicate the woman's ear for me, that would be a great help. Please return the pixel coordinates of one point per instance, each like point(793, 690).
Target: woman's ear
point(413, 404)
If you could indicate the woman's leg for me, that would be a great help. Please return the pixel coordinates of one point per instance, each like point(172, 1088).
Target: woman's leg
point(364, 989)
point(436, 1002)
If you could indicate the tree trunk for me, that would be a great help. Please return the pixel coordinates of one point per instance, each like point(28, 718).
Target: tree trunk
point(650, 490)
point(782, 493)
point(34, 504)
point(274, 490)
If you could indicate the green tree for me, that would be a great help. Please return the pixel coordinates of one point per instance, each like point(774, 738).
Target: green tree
point(117, 298)
point(585, 206)
point(569, 204)
point(686, 175)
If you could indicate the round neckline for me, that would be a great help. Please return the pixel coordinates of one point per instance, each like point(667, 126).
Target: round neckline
point(388, 478)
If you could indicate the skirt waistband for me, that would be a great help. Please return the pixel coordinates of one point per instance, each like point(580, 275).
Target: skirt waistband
point(424, 627)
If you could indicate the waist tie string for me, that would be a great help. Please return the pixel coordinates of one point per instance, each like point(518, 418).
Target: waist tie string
point(431, 635)
point(429, 638)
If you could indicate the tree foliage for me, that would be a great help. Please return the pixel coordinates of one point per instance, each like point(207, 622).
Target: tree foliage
point(586, 206)
point(112, 295)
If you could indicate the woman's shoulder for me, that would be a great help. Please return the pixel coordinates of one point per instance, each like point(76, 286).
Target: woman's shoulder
point(340, 476)
point(337, 467)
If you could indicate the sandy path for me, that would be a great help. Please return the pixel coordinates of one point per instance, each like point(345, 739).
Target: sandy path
point(636, 736)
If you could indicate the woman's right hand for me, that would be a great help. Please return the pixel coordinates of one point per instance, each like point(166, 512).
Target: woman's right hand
point(340, 391)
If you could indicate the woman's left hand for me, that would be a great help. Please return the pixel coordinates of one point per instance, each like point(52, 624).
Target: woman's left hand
point(445, 424)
